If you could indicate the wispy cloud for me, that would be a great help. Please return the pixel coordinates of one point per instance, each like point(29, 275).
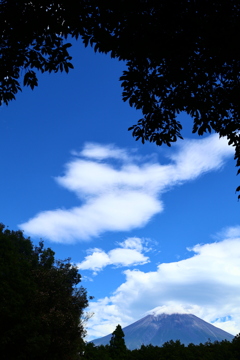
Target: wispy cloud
point(101, 152)
point(130, 253)
point(230, 232)
point(119, 190)
point(206, 284)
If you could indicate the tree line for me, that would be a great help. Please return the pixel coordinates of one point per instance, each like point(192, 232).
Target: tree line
point(171, 350)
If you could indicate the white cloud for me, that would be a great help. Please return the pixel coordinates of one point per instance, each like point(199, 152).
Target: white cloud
point(198, 157)
point(206, 284)
point(100, 152)
point(95, 261)
point(129, 254)
point(173, 308)
point(133, 243)
point(123, 195)
point(108, 212)
point(230, 232)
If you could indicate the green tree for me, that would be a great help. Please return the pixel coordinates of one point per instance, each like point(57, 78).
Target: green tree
point(182, 56)
point(173, 350)
point(117, 347)
point(92, 352)
point(41, 307)
point(236, 346)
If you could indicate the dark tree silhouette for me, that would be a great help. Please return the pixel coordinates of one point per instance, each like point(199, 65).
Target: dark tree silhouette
point(117, 347)
point(41, 307)
point(182, 56)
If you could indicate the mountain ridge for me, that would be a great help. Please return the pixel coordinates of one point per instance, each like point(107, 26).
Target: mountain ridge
point(158, 329)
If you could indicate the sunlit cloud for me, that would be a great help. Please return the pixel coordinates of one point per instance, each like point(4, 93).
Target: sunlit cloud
point(119, 190)
point(230, 232)
point(129, 254)
point(206, 285)
point(101, 152)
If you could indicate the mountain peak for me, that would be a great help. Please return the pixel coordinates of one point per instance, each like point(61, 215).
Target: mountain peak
point(170, 310)
point(156, 329)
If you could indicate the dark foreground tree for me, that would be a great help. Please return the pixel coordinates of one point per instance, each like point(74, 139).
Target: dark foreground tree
point(117, 347)
point(182, 56)
point(92, 352)
point(41, 307)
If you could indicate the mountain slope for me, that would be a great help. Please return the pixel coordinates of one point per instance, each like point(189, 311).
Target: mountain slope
point(157, 329)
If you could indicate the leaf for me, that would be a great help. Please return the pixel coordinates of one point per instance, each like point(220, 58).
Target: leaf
point(30, 79)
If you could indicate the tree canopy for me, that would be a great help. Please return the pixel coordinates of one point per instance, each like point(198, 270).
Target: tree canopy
point(181, 56)
point(171, 350)
point(117, 347)
point(41, 306)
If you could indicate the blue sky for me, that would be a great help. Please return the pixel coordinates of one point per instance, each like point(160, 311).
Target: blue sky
point(150, 228)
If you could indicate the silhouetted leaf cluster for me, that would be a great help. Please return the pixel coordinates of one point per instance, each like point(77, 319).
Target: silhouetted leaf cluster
point(181, 56)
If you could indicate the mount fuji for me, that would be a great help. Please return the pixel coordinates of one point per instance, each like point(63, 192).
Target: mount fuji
point(158, 329)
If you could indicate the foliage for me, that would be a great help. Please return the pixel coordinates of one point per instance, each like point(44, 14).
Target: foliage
point(92, 352)
point(117, 347)
point(32, 38)
point(182, 56)
point(116, 350)
point(172, 350)
point(236, 345)
point(41, 307)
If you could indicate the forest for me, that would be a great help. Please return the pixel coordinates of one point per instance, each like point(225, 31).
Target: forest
point(171, 350)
